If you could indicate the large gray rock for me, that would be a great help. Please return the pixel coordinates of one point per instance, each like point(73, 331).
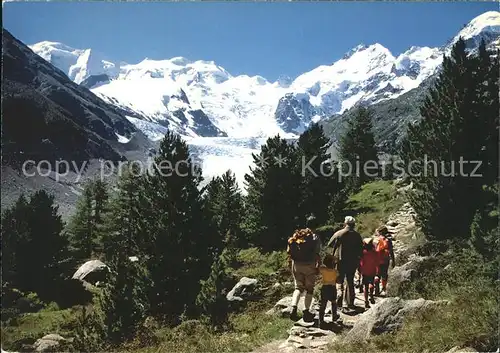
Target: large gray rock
point(400, 276)
point(48, 343)
point(91, 272)
point(244, 288)
point(387, 316)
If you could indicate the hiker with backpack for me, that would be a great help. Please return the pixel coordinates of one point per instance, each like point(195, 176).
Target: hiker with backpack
point(347, 248)
point(386, 253)
point(304, 256)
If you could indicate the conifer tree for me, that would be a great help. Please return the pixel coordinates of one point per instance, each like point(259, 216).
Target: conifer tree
point(128, 223)
point(86, 227)
point(183, 248)
point(34, 248)
point(81, 228)
point(459, 124)
point(225, 204)
point(357, 150)
point(211, 298)
point(15, 234)
point(272, 203)
point(90, 332)
point(123, 299)
point(319, 177)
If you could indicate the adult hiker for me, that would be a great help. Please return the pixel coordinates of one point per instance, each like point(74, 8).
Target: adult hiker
point(386, 253)
point(304, 257)
point(347, 249)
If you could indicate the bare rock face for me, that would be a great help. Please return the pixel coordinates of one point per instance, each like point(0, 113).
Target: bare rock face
point(387, 316)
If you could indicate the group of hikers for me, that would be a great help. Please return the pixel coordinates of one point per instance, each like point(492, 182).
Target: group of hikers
point(371, 257)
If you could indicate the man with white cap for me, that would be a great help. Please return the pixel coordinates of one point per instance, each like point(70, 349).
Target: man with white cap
point(347, 249)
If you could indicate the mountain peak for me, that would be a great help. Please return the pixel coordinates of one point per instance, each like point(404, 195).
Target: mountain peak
point(354, 50)
point(373, 48)
point(181, 61)
point(486, 25)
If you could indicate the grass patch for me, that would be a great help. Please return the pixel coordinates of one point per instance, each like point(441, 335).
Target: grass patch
point(249, 330)
point(254, 264)
point(373, 204)
point(27, 328)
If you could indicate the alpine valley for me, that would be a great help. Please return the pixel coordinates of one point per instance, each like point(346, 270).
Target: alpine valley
point(116, 110)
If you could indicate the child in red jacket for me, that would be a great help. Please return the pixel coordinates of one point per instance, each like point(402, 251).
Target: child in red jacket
point(368, 268)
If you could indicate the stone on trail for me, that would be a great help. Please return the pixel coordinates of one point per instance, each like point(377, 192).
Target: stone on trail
point(242, 289)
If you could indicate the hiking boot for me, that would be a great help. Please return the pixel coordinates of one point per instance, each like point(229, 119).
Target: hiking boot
point(372, 300)
point(322, 324)
point(367, 304)
point(293, 314)
point(307, 316)
point(335, 317)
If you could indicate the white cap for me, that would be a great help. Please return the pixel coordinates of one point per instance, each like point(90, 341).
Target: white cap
point(349, 220)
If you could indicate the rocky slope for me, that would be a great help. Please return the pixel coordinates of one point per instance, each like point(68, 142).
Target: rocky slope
point(47, 117)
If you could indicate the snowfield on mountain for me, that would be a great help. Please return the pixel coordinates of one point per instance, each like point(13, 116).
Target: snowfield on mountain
point(169, 91)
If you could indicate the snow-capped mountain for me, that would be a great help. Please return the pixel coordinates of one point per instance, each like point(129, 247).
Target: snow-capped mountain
point(78, 64)
point(200, 98)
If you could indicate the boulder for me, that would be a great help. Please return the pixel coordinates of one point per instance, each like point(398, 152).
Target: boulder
point(242, 290)
point(284, 306)
point(387, 316)
point(48, 343)
point(92, 271)
point(400, 276)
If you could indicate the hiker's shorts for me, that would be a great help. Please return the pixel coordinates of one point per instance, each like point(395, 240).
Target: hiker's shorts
point(328, 293)
point(304, 276)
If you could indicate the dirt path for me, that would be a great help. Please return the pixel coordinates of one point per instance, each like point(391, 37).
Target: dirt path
point(313, 339)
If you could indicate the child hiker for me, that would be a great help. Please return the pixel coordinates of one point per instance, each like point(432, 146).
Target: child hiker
point(386, 254)
point(368, 269)
point(328, 289)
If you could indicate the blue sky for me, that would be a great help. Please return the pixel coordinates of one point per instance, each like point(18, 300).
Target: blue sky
point(254, 38)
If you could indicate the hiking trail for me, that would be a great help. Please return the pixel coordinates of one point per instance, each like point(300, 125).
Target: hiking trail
point(309, 338)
